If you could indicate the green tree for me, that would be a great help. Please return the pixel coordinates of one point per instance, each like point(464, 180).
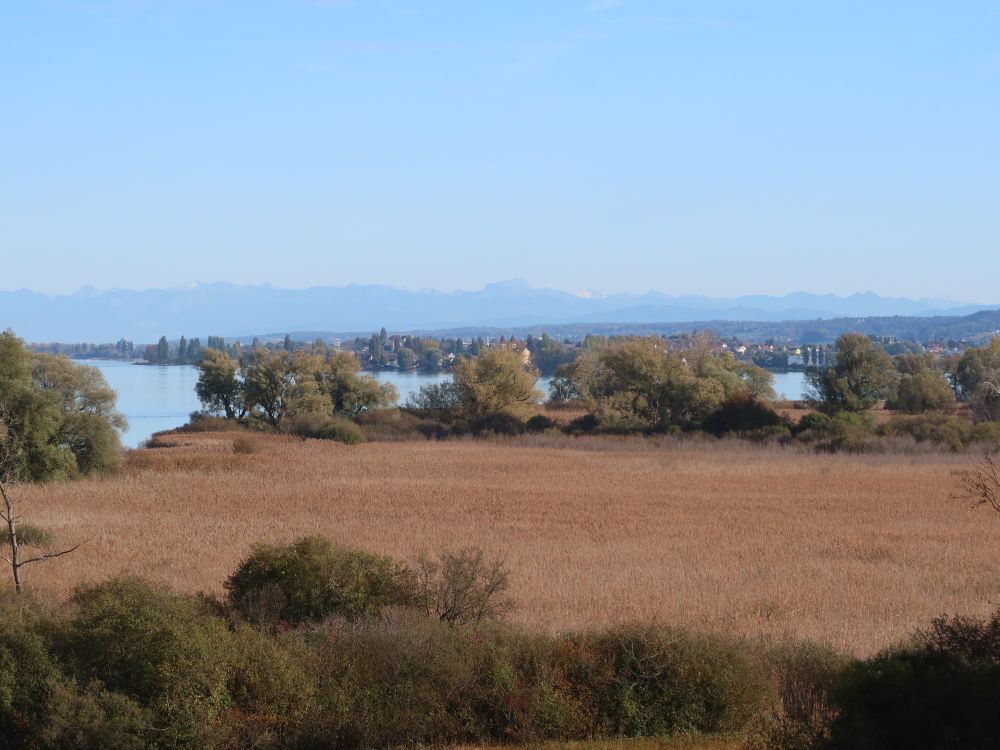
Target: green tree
point(860, 377)
point(89, 422)
point(57, 421)
point(639, 382)
point(375, 349)
point(60, 416)
point(977, 365)
point(431, 359)
point(351, 393)
point(978, 377)
point(220, 386)
point(496, 382)
point(162, 351)
point(922, 387)
point(277, 385)
point(405, 359)
point(269, 386)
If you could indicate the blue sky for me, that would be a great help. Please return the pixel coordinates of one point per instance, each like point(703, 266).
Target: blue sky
point(704, 147)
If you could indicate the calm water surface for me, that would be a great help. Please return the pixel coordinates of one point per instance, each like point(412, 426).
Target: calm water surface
point(788, 385)
point(153, 398)
point(162, 398)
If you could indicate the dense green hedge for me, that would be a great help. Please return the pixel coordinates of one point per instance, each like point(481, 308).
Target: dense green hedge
point(130, 664)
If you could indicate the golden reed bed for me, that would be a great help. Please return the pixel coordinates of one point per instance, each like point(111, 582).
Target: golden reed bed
point(853, 551)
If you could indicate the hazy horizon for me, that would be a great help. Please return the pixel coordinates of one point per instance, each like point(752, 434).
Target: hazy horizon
point(713, 147)
point(237, 310)
point(589, 293)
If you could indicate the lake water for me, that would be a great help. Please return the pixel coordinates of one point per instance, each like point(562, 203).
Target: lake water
point(153, 398)
point(788, 385)
point(162, 398)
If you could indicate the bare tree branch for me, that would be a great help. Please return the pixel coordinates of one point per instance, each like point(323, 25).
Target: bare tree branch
point(982, 484)
point(50, 555)
point(8, 450)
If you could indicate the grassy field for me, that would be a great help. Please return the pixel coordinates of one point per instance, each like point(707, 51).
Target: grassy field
point(854, 551)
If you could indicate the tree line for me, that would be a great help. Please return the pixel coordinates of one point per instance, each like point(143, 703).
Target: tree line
point(625, 384)
point(283, 390)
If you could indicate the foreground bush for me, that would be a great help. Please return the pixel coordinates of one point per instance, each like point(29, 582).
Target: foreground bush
point(164, 652)
point(408, 679)
point(129, 664)
point(654, 681)
point(804, 674)
point(940, 690)
point(312, 579)
point(28, 675)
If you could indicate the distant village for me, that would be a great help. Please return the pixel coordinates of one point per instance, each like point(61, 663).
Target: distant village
point(407, 352)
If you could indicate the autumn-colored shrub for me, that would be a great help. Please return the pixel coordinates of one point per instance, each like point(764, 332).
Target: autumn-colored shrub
point(245, 445)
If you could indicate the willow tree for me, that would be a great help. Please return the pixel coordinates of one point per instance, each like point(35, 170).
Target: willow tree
point(496, 382)
point(57, 421)
point(640, 383)
point(265, 387)
point(861, 376)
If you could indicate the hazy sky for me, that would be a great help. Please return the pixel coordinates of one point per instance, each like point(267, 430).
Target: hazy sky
point(691, 147)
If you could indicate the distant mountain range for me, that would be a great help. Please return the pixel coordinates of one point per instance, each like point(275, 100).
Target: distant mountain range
point(229, 310)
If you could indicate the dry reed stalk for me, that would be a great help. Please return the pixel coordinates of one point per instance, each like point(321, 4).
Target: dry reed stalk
point(854, 551)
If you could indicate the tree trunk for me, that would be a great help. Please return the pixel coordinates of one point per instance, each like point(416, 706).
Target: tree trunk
point(12, 531)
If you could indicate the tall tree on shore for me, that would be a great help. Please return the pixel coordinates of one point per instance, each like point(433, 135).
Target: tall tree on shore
point(162, 351)
point(860, 377)
point(218, 387)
